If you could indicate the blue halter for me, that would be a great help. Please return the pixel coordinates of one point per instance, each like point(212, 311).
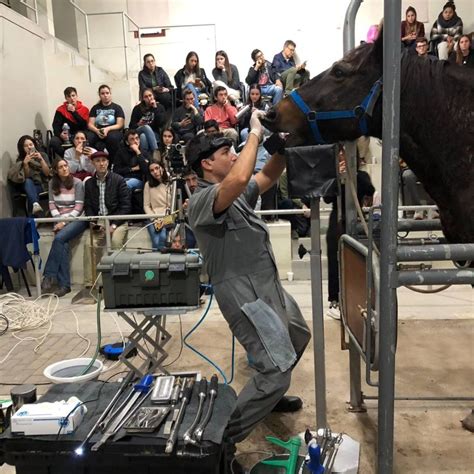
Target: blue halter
point(360, 112)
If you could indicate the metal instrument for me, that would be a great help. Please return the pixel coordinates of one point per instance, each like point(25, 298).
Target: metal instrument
point(198, 432)
point(202, 394)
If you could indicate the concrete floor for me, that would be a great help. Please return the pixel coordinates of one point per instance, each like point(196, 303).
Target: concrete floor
point(435, 356)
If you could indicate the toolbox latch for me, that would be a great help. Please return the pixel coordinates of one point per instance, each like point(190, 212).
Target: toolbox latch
point(120, 269)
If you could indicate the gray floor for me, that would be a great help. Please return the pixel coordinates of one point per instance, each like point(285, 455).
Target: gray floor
point(435, 356)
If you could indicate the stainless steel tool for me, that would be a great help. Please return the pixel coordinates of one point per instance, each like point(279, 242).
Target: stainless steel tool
point(202, 394)
point(198, 432)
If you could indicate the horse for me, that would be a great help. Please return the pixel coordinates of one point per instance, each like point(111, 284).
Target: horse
point(436, 122)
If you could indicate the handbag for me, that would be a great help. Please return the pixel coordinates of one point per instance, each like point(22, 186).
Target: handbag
point(16, 174)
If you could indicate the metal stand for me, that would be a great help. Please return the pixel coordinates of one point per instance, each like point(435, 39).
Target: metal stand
point(150, 349)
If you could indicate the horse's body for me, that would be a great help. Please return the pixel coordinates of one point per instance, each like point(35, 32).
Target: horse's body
point(436, 124)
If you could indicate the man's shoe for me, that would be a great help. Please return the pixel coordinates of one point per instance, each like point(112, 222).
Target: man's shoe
point(47, 284)
point(334, 310)
point(62, 291)
point(302, 251)
point(288, 404)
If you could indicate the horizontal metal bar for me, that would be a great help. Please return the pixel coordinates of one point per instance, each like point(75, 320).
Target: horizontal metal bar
point(413, 253)
point(414, 225)
point(428, 398)
point(436, 277)
point(131, 19)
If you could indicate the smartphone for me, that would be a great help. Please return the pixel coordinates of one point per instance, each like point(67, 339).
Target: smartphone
point(85, 145)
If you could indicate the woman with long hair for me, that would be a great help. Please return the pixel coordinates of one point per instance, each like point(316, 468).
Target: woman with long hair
point(254, 102)
point(147, 119)
point(157, 200)
point(78, 157)
point(464, 55)
point(192, 76)
point(446, 30)
point(226, 75)
point(168, 138)
point(30, 172)
point(66, 199)
point(155, 78)
point(411, 28)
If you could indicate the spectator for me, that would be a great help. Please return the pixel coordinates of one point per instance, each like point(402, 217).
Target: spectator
point(193, 77)
point(78, 157)
point(223, 113)
point(254, 102)
point(292, 75)
point(446, 30)
point(210, 127)
point(262, 73)
point(106, 121)
point(422, 49)
point(31, 173)
point(300, 223)
point(155, 78)
point(411, 29)
point(226, 75)
point(130, 163)
point(168, 138)
point(66, 199)
point(106, 194)
point(187, 119)
point(148, 117)
point(157, 200)
point(464, 55)
point(72, 113)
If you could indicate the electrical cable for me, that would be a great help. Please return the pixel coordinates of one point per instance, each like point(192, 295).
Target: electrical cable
point(181, 344)
point(207, 359)
point(99, 335)
point(7, 324)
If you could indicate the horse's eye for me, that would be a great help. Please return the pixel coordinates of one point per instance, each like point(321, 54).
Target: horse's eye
point(338, 72)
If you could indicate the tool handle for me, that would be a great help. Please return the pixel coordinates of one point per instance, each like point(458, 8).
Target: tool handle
point(144, 384)
point(213, 384)
point(202, 387)
point(187, 393)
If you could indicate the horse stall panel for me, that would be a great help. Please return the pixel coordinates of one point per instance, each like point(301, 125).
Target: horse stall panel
point(353, 292)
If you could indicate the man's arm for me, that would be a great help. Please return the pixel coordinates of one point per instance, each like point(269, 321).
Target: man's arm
point(234, 184)
point(270, 173)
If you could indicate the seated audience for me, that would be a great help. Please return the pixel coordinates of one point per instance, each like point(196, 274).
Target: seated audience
point(292, 75)
point(30, 172)
point(148, 117)
point(74, 115)
point(78, 157)
point(254, 102)
point(106, 194)
point(300, 223)
point(226, 75)
point(130, 163)
point(262, 73)
point(155, 78)
point(66, 199)
point(106, 122)
point(464, 54)
point(411, 29)
point(168, 138)
point(157, 200)
point(446, 30)
point(210, 127)
point(187, 119)
point(422, 50)
point(223, 113)
point(193, 77)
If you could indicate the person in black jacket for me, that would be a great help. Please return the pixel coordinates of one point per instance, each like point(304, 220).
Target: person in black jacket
point(73, 113)
point(148, 118)
point(263, 74)
point(106, 193)
point(193, 77)
point(187, 120)
point(155, 78)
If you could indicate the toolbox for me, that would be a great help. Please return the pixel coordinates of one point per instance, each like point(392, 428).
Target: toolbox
point(150, 280)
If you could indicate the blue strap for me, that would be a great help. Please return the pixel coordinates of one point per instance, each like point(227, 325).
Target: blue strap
point(310, 115)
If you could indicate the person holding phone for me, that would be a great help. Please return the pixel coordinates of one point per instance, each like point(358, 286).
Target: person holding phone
point(30, 173)
point(284, 64)
point(78, 157)
point(187, 119)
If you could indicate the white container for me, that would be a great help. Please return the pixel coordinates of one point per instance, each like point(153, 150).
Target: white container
point(68, 371)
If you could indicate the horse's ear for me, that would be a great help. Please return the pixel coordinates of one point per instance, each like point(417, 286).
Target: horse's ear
point(378, 45)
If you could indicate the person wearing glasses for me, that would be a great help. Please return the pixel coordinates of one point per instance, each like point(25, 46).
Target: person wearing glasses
point(239, 260)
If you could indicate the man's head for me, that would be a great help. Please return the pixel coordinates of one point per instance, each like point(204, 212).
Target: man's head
point(70, 94)
point(257, 55)
point(132, 137)
point(188, 98)
point(220, 95)
point(210, 156)
point(421, 46)
point(211, 127)
point(191, 179)
point(100, 160)
point(289, 49)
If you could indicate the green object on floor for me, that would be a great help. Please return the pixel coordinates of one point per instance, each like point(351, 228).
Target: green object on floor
point(293, 446)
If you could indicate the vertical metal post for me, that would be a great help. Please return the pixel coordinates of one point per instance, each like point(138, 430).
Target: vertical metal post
point(356, 403)
point(388, 260)
point(125, 43)
point(88, 44)
point(318, 322)
point(349, 25)
point(35, 3)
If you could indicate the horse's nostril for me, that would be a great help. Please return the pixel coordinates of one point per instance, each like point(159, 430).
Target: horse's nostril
point(271, 114)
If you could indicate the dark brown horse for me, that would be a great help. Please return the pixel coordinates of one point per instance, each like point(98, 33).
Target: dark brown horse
point(436, 124)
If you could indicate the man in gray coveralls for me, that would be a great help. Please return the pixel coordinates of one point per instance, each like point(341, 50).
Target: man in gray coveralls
point(239, 260)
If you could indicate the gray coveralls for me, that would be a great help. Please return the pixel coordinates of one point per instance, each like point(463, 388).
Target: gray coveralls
point(263, 317)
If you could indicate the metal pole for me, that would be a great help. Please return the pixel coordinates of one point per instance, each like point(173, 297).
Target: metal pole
point(125, 43)
point(463, 276)
point(349, 25)
point(388, 260)
point(414, 253)
point(318, 322)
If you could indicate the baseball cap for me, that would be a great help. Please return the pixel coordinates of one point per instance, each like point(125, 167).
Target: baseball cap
point(99, 154)
point(203, 146)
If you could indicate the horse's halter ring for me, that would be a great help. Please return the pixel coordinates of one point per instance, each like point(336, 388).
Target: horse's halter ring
point(359, 112)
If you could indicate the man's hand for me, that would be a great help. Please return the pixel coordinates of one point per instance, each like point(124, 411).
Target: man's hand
point(135, 148)
point(70, 108)
point(104, 131)
point(59, 226)
point(185, 122)
point(255, 124)
point(307, 211)
point(278, 83)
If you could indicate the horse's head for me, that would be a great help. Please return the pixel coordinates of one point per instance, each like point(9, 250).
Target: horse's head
point(341, 87)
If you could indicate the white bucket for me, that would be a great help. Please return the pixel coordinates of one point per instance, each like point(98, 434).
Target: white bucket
point(68, 371)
